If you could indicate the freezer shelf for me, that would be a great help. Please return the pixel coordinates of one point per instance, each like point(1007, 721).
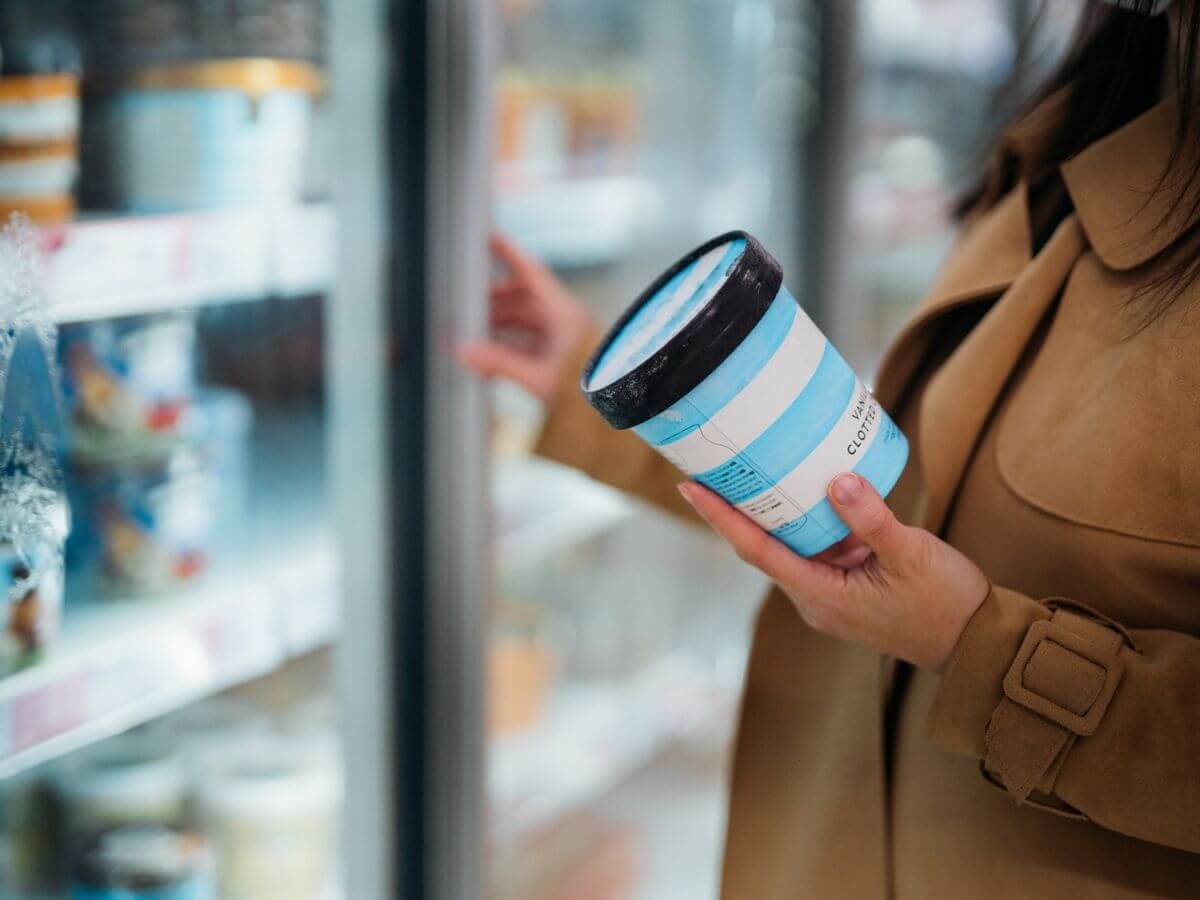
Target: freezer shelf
point(594, 736)
point(542, 508)
point(118, 266)
point(122, 663)
point(577, 221)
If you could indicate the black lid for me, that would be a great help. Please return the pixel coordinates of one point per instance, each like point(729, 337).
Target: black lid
point(699, 347)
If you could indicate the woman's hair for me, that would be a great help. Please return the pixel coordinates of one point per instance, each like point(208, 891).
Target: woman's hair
point(1114, 67)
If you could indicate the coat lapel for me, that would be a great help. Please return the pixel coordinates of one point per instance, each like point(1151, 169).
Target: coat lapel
point(959, 398)
point(988, 258)
point(1112, 187)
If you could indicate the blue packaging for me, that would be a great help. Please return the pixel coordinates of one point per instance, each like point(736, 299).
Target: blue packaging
point(129, 375)
point(148, 515)
point(718, 368)
point(213, 133)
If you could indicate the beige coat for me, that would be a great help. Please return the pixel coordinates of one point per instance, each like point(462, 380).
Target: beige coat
point(1059, 753)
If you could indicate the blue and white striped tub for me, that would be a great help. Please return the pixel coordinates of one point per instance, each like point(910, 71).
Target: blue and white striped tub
point(774, 422)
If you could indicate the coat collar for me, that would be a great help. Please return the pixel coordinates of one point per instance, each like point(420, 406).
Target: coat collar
point(1121, 186)
point(1123, 189)
point(1117, 214)
point(1112, 184)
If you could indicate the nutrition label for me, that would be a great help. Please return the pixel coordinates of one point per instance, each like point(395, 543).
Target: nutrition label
point(773, 511)
point(736, 480)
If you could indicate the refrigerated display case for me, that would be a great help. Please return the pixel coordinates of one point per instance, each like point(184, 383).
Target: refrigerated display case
point(924, 88)
point(625, 134)
point(203, 265)
point(316, 582)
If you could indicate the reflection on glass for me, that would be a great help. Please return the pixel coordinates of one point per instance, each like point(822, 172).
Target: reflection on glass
point(932, 73)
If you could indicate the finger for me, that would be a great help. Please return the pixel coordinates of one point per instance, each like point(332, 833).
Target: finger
point(862, 509)
point(852, 553)
point(512, 288)
point(522, 265)
point(758, 548)
point(507, 289)
point(851, 559)
point(838, 550)
point(515, 302)
point(505, 317)
point(848, 553)
point(492, 359)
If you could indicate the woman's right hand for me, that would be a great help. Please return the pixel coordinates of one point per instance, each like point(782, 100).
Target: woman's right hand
point(535, 323)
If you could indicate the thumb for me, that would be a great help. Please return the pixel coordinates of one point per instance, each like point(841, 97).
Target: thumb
point(492, 359)
point(862, 509)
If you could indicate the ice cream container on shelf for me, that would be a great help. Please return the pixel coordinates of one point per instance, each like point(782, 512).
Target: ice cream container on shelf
point(134, 779)
point(128, 376)
point(143, 862)
point(29, 843)
point(521, 671)
point(32, 585)
point(37, 181)
point(142, 524)
point(216, 133)
point(39, 108)
point(149, 514)
point(47, 172)
point(50, 209)
point(271, 813)
point(718, 368)
point(39, 146)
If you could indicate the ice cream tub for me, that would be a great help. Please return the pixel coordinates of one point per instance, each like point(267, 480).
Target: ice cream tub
point(271, 811)
point(144, 862)
point(32, 586)
point(128, 376)
point(213, 133)
point(718, 368)
point(35, 109)
point(149, 515)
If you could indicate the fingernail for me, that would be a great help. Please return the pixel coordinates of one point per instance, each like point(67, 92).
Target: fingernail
point(685, 491)
point(846, 489)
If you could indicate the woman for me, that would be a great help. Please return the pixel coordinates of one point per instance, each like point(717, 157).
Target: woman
point(994, 692)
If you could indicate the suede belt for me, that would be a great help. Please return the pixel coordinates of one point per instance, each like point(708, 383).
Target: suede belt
point(1055, 692)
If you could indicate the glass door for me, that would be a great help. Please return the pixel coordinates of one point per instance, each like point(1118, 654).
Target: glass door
point(213, 378)
point(625, 134)
point(925, 100)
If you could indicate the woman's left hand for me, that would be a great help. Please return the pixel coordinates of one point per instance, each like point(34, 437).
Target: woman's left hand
point(892, 587)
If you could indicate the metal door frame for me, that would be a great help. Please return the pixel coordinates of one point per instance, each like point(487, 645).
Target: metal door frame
point(408, 439)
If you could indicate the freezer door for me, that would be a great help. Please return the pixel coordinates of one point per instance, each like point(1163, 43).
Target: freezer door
point(409, 449)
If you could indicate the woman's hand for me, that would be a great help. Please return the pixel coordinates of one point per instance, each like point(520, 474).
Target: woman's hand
point(895, 588)
point(535, 323)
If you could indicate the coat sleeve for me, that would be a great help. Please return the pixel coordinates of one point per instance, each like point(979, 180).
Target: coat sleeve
point(574, 434)
point(1071, 712)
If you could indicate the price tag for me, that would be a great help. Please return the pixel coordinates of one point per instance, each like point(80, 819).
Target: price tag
point(48, 712)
